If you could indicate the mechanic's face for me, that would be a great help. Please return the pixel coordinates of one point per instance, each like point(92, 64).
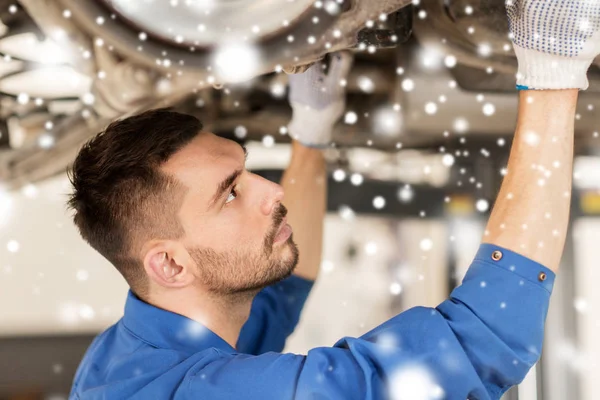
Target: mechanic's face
point(232, 218)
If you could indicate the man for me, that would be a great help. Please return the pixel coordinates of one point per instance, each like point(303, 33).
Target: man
point(205, 246)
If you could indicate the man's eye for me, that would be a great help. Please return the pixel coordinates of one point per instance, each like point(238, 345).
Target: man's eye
point(232, 196)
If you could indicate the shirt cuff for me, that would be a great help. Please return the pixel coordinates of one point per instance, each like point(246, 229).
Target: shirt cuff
point(516, 263)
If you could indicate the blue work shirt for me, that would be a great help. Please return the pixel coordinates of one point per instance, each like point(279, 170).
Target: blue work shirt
point(476, 344)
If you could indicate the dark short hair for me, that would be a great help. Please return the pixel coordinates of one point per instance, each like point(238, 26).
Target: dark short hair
point(120, 196)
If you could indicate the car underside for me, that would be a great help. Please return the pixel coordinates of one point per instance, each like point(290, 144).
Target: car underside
point(72, 66)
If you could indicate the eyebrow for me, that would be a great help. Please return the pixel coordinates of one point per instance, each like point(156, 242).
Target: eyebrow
point(227, 182)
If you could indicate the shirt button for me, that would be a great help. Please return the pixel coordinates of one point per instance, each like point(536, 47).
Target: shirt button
point(496, 255)
point(542, 276)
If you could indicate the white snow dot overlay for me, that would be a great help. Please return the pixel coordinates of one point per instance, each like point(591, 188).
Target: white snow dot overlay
point(414, 383)
point(379, 202)
point(426, 244)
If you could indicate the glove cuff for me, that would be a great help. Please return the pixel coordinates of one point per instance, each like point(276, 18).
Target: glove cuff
point(313, 128)
point(539, 71)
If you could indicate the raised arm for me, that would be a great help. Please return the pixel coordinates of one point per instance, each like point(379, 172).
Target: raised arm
point(555, 43)
point(499, 311)
point(501, 316)
point(305, 185)
point(318, 100)
point(531, 213)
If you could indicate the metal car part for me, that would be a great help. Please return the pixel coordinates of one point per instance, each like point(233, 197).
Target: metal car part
point(131, 72)
point(202, 23)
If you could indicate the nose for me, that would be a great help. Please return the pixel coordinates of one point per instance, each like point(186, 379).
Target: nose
point(274, 196)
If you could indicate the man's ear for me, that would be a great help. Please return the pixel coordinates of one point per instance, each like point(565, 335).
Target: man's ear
point(168, 264)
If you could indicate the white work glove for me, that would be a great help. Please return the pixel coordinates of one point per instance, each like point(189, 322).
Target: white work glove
point(318, 100)
point(555, 41)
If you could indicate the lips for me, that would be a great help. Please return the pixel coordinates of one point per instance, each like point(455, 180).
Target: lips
point(283, 233)
point(283, 223)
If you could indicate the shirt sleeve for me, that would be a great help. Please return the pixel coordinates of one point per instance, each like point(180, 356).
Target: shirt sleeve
point(475, 345)
point(274, 315)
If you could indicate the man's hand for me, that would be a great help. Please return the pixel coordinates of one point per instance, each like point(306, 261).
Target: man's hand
point(555, 41)
point(318, 100)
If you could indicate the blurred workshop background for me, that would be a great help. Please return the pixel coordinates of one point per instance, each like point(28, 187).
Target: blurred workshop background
point(420, 154)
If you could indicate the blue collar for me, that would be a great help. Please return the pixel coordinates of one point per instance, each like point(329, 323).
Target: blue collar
point(167, 330)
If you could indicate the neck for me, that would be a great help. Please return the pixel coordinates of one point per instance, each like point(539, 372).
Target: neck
point(224, 315)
